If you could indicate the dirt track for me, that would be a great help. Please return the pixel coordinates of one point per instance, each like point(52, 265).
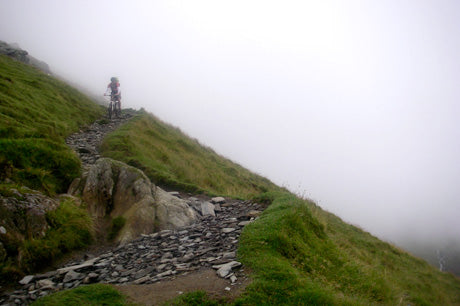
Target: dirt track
point(204, 280)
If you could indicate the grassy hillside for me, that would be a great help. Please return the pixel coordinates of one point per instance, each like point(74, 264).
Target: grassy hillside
point(37, 112)
point(299, 254)
point(302, 254)
point(171, 159)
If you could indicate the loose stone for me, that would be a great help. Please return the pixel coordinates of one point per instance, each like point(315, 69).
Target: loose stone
point(27, 279)
point(218, 200)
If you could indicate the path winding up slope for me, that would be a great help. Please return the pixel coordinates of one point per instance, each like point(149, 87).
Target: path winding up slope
point(157, 266)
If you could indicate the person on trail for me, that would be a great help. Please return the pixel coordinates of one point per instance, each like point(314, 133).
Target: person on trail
point(115, 91)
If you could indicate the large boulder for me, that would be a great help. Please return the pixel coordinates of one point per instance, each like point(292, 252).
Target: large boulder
point(112, 189)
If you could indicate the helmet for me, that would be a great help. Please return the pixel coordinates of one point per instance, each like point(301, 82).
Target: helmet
point(114, 79)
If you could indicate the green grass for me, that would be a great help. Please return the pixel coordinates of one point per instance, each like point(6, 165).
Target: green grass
point(173, 160)
point(301, 254)
point(37, 112)
point(98, 294)
point(70, 229)
point(116, 226)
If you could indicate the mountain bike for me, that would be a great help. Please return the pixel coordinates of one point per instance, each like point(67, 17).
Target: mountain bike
point(114, 108)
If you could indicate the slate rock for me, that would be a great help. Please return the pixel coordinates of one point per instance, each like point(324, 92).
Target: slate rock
point(26, 279)
point(207, 209)
point(218, 200)
point(45, 283)
point(71, 276)
point(244, 223)
point(225, 269)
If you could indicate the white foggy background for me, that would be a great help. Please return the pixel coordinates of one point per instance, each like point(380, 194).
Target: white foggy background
point(354, 104)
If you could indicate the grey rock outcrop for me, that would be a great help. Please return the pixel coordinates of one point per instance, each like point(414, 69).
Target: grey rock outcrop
point(23, 213)
point(112, 188)
point(14, 51)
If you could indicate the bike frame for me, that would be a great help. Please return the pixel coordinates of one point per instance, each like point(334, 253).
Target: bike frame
point(114, 106)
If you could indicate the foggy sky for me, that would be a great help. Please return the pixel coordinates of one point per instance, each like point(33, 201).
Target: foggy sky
point(354, 104)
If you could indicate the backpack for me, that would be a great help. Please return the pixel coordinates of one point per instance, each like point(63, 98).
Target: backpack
point(114, 87)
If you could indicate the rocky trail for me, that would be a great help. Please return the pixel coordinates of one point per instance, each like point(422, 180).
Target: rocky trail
point(86, 142)
point(158, 266)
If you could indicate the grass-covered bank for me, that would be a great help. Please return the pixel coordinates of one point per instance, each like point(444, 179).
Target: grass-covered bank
point(69, 228)
point(303, 255)
point(37, 112)
point(299, 253)
point(172, 159)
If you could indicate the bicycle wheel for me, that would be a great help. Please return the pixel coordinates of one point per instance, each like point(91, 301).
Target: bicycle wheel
point(118, 109)
point(109, 110)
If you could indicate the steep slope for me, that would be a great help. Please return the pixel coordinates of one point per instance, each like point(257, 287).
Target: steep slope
point(299, 253)
point(172, 159)
point(37, 112)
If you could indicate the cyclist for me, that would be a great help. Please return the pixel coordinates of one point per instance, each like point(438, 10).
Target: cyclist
point(115, 91)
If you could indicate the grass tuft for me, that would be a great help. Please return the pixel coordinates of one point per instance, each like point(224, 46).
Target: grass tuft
point(70, 229)
point(91, 295)
point(116, 226)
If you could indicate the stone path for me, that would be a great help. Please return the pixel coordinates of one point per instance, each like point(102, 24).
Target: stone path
point(209, 243)
point(86, 142)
